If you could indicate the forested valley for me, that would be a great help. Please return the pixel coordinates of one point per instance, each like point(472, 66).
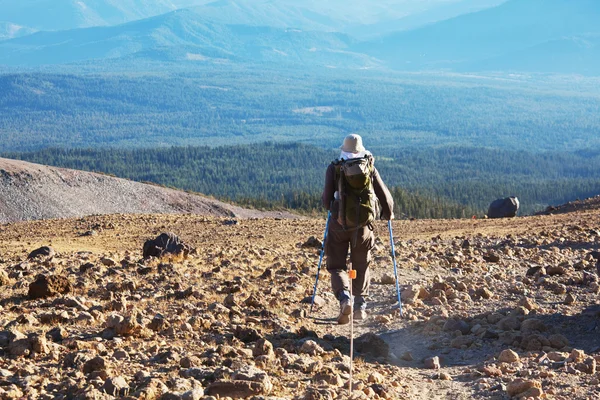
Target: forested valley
point(231, 105)
point(447, 182)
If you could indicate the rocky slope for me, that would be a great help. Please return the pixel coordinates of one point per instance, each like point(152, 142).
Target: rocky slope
point(593, 203)
point(492, 309)
point(32, 191)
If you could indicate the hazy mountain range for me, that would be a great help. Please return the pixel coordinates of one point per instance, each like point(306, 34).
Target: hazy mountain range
point(516, 33)
point(71, 14)
point(183, 35)
point(464, 35)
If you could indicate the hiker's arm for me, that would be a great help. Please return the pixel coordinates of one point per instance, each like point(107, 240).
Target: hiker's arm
point(329, 189)
point(384, 196)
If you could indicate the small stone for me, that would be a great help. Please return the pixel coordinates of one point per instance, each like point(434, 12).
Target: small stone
point(108, 262)
point(122, 326)
point(432, 363)
point(264, 348)
point(387, 279)
point(556, 270)
point(4, 279)
point(577, 355)
point(375, 377)
point(570, 299)
point(407, 356)
point(95, 364)
point(313, 242)
point(483, 293)
point(536, 271)
point(557, 356)
point(491, 257)
point(508, 356)
point(528, 303)
point(319, 301)
point(116, 386)
point(587, 367)
point(194, 394)
point(311, 347)
point(524, 388)
point(444, 376)
point(411, 294)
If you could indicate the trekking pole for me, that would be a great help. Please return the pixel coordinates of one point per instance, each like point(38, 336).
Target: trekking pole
point(312, 303)
point(395, 267)
point(352, 276)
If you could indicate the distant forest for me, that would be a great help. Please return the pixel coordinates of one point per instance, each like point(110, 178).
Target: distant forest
point(229, 105)
point(448, 182)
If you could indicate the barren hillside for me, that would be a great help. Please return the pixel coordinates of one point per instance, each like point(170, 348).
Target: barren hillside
point(32, 191)
point(506, 307)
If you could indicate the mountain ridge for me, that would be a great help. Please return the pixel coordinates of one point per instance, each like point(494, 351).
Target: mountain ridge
point(179, 36)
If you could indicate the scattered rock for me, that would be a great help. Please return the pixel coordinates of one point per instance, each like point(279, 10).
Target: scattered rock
point(372, 344)
point(116, 386)
point(311, 347)
point(508, 356)
point(432, 363)
point(524, 388)
point(43, 251)
point(491, 257)
point(387, 279)
point(95, 364)
point(264, 348)
point(570, 299)
point(48, 286)
point(313, 242)
point(319, 301)
point(165, 244)
point(410, 294)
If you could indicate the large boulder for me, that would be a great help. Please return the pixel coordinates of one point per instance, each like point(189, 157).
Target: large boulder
point(164, 245)
point(504, 208)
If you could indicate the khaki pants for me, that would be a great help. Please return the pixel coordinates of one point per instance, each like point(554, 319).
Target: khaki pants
point(360, 244)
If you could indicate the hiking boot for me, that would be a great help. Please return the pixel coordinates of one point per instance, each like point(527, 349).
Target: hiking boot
point(345, 311)
point(360, 308)
point(360, 314)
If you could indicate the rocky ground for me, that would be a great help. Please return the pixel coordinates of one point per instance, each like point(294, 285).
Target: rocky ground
point(492, 309)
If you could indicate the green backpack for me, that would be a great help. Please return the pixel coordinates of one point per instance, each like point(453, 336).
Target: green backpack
point(357, 201)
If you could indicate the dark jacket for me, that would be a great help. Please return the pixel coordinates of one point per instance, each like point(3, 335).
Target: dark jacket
point(381, 191)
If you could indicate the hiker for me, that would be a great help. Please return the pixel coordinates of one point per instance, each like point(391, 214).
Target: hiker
point(353, 193)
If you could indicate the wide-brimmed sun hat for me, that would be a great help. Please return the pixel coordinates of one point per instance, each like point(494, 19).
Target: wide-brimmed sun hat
point(352, 144)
